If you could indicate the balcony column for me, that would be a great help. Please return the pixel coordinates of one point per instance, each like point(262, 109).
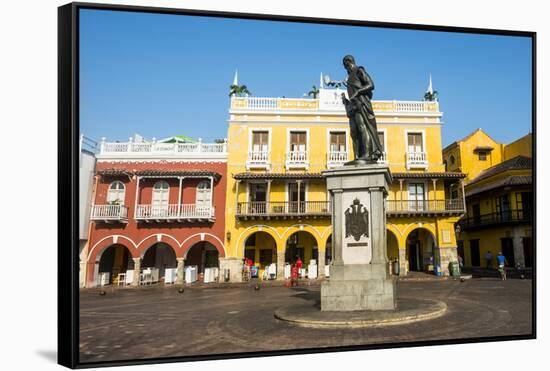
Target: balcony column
point(137, 197)
point(211, 194)
point(137, 271)
point(179, 195)
point(434, 181)
point(298, 183)
point(237, 196)
point(179, 271)
point(401, 192)
point(268, 196)
point(464, 195)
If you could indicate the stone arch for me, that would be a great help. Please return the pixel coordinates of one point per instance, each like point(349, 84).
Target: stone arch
point(392, 245)
point(104, 243)
point(301, 243)
point(257, 228)
point(188, 243)
point(305, 228)
point(148, 242)
point(411, 227)
point(109, 257)
point(420, 245)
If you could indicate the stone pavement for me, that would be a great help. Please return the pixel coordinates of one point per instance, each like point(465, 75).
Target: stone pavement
point(158, 321)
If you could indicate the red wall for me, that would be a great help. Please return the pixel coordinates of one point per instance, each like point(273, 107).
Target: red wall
point(143, 235)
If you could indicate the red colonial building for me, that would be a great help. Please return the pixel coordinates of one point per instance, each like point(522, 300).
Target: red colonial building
point(157, 208)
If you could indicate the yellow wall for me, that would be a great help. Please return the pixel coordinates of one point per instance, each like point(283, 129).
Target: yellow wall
point(395, 126)
point(520, 147)
point(467, 160)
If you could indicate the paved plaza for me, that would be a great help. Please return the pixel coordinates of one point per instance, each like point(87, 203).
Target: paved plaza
point(158, 321)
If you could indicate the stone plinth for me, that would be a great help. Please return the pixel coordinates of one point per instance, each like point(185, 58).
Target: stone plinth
point(359, 275)
point(235, 266)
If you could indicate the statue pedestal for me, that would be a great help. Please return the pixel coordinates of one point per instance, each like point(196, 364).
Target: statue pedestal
point(359, 275)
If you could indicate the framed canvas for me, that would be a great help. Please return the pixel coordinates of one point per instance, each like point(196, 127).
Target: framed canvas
point(244, 185)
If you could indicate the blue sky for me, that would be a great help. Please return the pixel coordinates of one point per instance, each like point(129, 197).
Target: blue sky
point(160, 75)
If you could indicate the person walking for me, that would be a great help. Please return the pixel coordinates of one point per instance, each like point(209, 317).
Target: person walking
point(501, 259)
point(488, 259)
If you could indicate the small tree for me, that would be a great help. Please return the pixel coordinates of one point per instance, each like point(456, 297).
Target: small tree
point(431, 96)
point(238, 90)
point(313, 92)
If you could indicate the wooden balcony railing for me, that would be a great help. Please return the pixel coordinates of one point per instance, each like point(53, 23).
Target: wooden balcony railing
point(109, 213)
point(321, 208)
point(424, 206)
point(175, 212)
point(494, 219)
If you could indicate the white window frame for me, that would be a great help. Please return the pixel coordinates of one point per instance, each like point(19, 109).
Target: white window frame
point(424, 149)
point(251, 130)
point(289, 130)
point(207, 182)
point(123, 192)
point(416, 131)
point(338, 130)
point(305, 186)
point(153, 196)
point(385, 132)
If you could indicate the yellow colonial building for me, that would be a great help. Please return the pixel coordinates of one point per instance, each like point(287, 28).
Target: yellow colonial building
point(278, 208)
point(499, 199)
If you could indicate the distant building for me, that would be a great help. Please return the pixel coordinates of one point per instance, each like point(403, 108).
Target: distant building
point(499, 198)
point(88, 149)
point(158, 205)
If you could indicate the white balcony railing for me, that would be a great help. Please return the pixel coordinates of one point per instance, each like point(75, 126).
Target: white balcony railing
point(337, 158)
point(257, 159)
point(297, 159)
point(157, 149)
point(330, 100)
point(174, 212)
point(417, 160)
point(109, 213)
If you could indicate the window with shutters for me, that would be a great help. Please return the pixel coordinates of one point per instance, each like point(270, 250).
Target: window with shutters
point(115, 195)
point(338, 141)
point(298, 141)
point(260, 141)
point(414, 142)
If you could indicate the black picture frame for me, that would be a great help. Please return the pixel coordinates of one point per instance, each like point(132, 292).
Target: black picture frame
point(68, 181)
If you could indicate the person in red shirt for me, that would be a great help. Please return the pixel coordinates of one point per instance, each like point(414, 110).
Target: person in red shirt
point(299, 265)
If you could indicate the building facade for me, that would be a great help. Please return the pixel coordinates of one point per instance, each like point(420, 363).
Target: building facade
point(499, 199)
point(278, 208)
point(156, 205)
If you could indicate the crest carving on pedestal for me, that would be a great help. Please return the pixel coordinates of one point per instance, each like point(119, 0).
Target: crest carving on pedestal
point(357, 220)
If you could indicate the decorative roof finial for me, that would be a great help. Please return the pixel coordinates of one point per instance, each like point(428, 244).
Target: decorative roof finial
point(236, 80)
point(431, 94)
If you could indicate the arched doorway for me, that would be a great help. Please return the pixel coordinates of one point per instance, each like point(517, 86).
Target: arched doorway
point(202, 255)
point(420, 250)
point(114, 260)
point(301, 245)
point(261, 248)
point(160, 256)
point(392, 249)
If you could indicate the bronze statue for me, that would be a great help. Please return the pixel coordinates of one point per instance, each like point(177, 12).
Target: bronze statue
point(364, 134)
